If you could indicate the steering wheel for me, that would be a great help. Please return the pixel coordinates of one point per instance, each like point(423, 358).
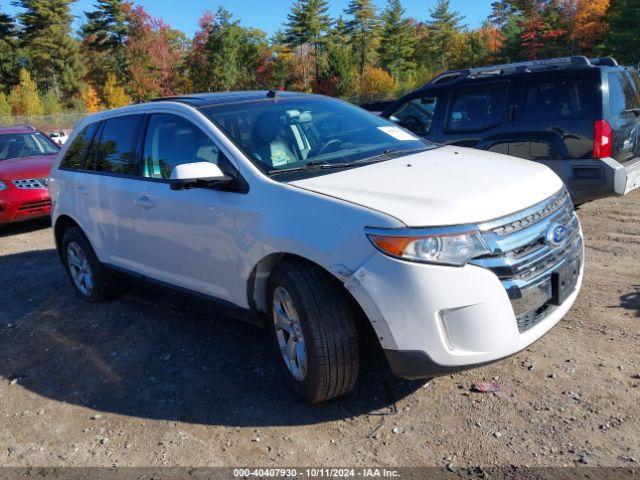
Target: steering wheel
point(334, 142)
point(413, 123)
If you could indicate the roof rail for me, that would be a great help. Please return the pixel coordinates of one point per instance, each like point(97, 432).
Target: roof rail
point(528, 66)
point(24, 125)
point(576, 61)
point(604, 62)
point(449, 76)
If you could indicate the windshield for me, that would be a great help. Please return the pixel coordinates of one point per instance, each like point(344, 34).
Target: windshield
point(285, 134)
point(30, 144)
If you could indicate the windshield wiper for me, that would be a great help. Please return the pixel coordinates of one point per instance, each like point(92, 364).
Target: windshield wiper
point(393, 152)
point(317, 165)
point(301, 168)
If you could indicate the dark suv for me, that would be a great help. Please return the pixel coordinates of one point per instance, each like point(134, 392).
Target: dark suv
point(579, 117)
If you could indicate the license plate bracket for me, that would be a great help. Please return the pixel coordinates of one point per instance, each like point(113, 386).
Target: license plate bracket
point(564, 281)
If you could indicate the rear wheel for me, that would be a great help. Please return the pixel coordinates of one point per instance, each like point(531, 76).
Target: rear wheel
point(91, 281)
point(313, 330)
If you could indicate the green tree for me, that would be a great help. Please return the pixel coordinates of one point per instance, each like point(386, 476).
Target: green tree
point(444, 27)
point(340, 73)
point(281, 61)
point(624, 30)
point(223, 51)
point(308, 23)
point(9, 53)
point(5, 106)
point(396, 41)
point(24, 96)
point(228, 55)
point(363, 28)
point(103, 39)
point(51, 103)
point(53, 55)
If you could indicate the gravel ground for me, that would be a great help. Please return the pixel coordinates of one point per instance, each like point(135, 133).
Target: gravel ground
point(147, 381)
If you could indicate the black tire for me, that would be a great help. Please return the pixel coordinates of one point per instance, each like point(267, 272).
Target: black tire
point(105, 286)
point(328, 326)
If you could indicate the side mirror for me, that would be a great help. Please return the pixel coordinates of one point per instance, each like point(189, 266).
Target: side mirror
point(197, 175)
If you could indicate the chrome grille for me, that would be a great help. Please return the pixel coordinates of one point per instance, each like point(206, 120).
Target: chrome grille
point(31, 184)
point(525, 259)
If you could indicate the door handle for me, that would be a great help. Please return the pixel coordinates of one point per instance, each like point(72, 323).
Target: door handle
point(145, 201)
point(82, 190)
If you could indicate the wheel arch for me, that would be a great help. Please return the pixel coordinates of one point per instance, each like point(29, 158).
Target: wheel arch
point(61, 225)
point(257, 288)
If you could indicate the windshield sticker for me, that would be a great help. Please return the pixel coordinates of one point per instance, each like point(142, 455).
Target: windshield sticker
point(397, 133)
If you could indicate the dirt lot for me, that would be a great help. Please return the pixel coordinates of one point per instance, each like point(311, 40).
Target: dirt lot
point(147, 381)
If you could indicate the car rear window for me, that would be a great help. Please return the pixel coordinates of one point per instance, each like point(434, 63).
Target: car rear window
point(74, 158)
point(116, 150)
point(557, 98)
point(476, 110)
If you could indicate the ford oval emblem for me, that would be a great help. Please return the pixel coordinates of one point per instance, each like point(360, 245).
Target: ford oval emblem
point(557, 235)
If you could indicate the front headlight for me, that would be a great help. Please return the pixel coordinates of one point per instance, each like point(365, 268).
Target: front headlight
point(444, 246)
point(3, 186)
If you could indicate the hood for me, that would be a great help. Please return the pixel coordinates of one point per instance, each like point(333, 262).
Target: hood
point(443, 186)
point(26, 167)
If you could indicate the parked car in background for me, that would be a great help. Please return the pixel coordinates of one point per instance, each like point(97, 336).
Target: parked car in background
point(579, 117)
point(59, 137)
point(26, 157)
point(305, 213)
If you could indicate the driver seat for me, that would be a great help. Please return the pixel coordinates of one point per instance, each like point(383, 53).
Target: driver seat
point(269, 148)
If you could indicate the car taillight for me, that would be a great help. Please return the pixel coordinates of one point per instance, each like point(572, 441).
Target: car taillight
point(602, 138)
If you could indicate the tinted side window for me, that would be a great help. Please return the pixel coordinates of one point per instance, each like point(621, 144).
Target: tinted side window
point(476, 110)
point(416, 115)
point(622, 93)
point(172, 140)
point(75, 156)
point(116, 150)
point(625, 83)
point(556, 98)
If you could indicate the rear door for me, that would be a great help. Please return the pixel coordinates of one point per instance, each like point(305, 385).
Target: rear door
point(477, 116)
point(555, 116)
point(624, 114)
point(116, 169)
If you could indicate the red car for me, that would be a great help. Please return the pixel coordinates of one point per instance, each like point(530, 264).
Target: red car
point(26, 158)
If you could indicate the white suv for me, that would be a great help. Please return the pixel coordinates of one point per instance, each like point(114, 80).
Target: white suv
point(302, 213)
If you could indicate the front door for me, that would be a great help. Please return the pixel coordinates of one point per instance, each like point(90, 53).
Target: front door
point(478, 117)
point(186, 238)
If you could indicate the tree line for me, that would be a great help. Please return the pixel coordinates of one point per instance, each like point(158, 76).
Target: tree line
point(121, 54)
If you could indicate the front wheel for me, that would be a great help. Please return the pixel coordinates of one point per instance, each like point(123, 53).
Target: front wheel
point(313, 330)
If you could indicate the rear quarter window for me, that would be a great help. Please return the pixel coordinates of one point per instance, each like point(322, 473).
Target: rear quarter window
point(115, 152)
point(557, 99)
point(622, 93)
point(75, 156)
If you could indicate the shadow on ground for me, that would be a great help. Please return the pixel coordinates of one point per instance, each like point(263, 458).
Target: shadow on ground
point(10, 229)
point(631, 300)
point(156, 356)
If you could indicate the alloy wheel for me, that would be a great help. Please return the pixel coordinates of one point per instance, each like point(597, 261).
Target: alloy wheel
point(289, 334)
point(79, 268)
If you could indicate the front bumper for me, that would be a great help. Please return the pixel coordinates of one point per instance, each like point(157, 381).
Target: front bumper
point(434, 319)
point(21, 205)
